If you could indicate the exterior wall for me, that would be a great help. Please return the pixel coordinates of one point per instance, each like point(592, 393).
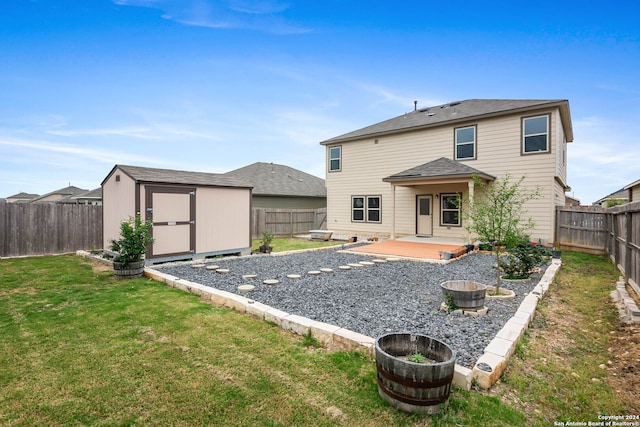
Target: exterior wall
point(279, 202)
point(223, 219)
point(634, 194)
point(365, 162)
point(118, 205)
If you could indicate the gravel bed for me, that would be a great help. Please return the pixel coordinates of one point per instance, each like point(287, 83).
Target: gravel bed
point(397, 296)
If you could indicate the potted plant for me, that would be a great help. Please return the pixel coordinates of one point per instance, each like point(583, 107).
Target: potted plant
point(267, 238)
point(135, 237)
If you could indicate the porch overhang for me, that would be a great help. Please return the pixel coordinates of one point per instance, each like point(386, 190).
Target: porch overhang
point(440, 171)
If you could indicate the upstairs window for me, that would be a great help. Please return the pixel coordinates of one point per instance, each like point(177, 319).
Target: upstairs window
point(465, 143)
point(335, 158)
point(535, 134)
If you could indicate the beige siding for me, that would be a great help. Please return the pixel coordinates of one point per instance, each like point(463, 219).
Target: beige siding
point(634, 193)
point(118, 205)
point(366, 162)
point(222, 219)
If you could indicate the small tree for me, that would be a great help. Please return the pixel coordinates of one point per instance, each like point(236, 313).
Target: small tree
point(495, 214)
point(135, 236)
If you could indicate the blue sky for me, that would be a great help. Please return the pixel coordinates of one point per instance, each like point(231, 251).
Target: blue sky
point(211, 86)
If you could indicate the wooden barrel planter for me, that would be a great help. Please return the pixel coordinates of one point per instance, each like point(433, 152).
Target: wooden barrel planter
point(129, 271)
point(465, 294)
point(410, 386)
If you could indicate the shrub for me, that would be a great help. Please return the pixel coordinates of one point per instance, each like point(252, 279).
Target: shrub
point(522, 259)
point(135, 236)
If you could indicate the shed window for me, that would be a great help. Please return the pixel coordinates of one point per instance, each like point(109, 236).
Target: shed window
point(335, 159)
point(465, 143)
point(450, 209)
point(535, 134)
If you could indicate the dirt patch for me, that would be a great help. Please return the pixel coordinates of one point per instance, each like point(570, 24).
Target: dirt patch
point(625, 367)
point(99, 266)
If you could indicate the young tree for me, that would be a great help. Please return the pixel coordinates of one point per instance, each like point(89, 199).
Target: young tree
point(495, 214)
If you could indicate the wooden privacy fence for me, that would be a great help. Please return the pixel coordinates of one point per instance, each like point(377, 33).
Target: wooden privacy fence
point(286, 222)
point(48, 228)
point(615, 231)
point(581, 228)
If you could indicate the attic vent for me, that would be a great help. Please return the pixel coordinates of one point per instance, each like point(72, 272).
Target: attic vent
point(453, 104)
point(117, 178)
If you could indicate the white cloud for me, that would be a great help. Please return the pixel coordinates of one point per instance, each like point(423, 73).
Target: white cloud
point(603, 158)
point(29, 151)
point(250, 15)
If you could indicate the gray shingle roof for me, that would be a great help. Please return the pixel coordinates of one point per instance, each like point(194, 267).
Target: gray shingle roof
point(63, 192)
point(456, 112)
point(269, 179)
point(170, 176)
point(438, 168)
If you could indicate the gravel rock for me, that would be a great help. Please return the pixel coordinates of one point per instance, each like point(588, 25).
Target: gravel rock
point(373, 300)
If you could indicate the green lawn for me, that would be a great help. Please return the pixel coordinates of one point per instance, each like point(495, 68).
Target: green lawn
point(282, 244)
point(78, 347)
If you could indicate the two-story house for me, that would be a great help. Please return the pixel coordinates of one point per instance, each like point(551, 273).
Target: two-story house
point(403, 176)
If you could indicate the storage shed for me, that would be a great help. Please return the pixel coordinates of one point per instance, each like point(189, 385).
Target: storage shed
point(194, 214)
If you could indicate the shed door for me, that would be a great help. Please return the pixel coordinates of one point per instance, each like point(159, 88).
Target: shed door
point(424, 215)
point(173, 212)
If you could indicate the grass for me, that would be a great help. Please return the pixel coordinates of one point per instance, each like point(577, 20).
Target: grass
point(282, 244)
point(557, 368)
point(78, 347)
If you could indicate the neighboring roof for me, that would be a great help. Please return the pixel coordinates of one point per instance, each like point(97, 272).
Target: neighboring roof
point(623, 193)
point(633, 184)
point(63, 192)
point(170, 176)
point(439, 168)
point(95, 194)
point(24, 196)
point(269, 179)
point(457, 112)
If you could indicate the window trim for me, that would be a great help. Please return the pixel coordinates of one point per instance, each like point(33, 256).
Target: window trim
point(443, 210)
point(523, 135)
point(339, 159)
point(379, 208)
point(365, 209)
point(474, 143)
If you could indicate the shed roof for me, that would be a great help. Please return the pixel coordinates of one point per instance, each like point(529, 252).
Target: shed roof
point(439, 168)
point(169, 176)
point(270, 179)
point(458, 111)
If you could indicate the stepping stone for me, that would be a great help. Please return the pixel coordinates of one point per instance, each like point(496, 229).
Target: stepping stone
point(315, 272)
point(366, 263)
point(197, 265)
point(222, 270)
point(245, 288)
point(379, 261)
point(393, 259)
point(271, 282)
point(326, 270)
point(293, 276)
point(212, 267)
point(355, 264)
point(249, 276)
point(345, 267)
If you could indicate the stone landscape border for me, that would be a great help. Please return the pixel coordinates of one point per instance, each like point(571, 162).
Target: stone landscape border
point(485, 372)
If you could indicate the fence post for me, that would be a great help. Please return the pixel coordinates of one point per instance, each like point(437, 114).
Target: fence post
point(627, 252)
